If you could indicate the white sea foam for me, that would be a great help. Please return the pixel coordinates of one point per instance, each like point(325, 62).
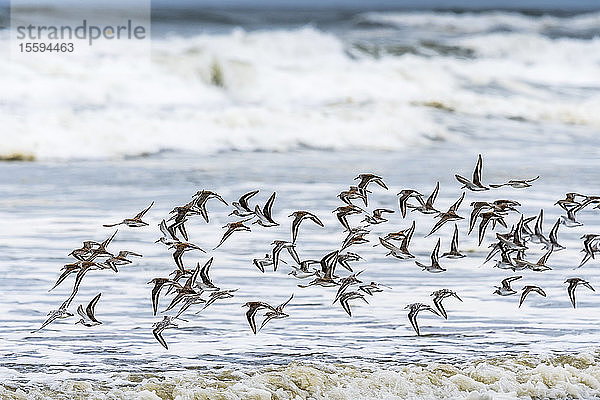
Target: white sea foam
point(574, 376)
point(280, 89)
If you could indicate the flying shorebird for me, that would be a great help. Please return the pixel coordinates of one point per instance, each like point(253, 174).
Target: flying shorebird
point(159, 327)
point(449, 215)
point(347, 296)
point(232, 227)
point(343, 212)
point(401, 252)
point(242, 209)
point(365, 179)
point(539, 266)
point(179, 219)
point(553, 236)
point(486, 218)
point(414, 310)
point(94, 249)
point(403, 199)
point(516, 183)
point(474, 185)
point(253, 308)
point(372, 287)
point(169, 236)
point(134, 222)
point(346, 283)
point(427, 206)
point(120, 259)
point(87, 249)
point(435, 266)
point(377, 217)
point(354, 193)
point(538, 233)
point(573, 283)
point(345, 258)
point(86, 266)
point(326, 276)
point(188, 289)
point(204, 283)
point(69, 269)
point(300, 216)
point(261, 263)
point(590, 247)
point(478, 207)
point(277, 314)
point(60, 313)
point(180, 248)
point(454, 253)
point(218, 295)
point(506, 262)
point(505, 289)
point(303, 271)
point(569, 201)
point(528, 289)
point(355, 236)
point(570, 220)
point(588, 242)
point(87, 317)
point(189, 301)
point(280, 245)
point(439, 296)
point(199, 201)
point(265, 217)
point(159, 283)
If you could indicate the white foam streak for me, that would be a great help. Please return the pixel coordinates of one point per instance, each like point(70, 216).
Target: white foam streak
point(472, 22)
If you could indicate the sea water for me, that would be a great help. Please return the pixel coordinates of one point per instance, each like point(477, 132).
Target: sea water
point(301, 110)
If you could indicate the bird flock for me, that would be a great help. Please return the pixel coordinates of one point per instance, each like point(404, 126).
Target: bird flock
point(193, 288)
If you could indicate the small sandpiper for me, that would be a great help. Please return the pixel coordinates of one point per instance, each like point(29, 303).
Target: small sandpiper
point(573, 283)
point(454, 253)
point(439, 296)
point(435, 266)
point(300, 216)
point(505, 289)
point(265, 217)
point(87, 317)
point(134, 222)
point(427, 206)
point(414, 310)
point(475, 184)
point(159, 327)
point(528, 289)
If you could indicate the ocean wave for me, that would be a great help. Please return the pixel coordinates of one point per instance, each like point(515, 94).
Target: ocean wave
point(584, 25)
point(278, 90)
point(509, 377)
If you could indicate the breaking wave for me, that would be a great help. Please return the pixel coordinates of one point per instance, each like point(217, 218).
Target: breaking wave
point(566, 376)
point(278, 90)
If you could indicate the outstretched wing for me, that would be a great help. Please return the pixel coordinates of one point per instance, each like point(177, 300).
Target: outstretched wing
point(89, 310)
point(477, 171)
point(433, 196)
point(268, 208)
point(157, 332)
point(244, 200)
point(143, 212)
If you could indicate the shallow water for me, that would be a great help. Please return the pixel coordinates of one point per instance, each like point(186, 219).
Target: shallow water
point(51, 207)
